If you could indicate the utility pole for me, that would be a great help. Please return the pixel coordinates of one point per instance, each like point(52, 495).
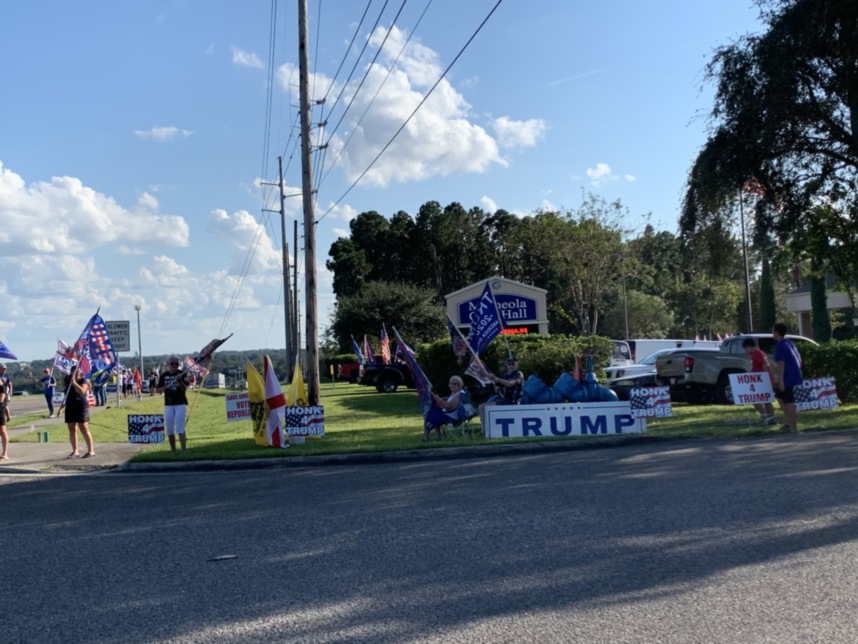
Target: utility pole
point(296, 325)
point(311, 310)
point(287, 304)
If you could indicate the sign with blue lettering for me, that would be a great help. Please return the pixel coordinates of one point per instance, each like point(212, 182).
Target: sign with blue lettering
point(514, 309)
point(571, 419)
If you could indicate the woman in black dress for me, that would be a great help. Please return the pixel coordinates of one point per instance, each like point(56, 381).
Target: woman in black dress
point(77, 411)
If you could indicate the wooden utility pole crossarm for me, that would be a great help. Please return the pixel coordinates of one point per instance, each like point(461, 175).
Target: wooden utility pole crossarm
point(311, 312)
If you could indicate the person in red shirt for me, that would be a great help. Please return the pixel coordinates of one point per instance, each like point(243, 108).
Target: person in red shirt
point(760, 364)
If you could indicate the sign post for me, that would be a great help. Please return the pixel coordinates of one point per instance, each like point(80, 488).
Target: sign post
point(119, 332)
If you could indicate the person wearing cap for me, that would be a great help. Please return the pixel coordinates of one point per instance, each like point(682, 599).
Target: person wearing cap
point(173, 384)
point(507, 388)
point(8, 382)
point(50, 387)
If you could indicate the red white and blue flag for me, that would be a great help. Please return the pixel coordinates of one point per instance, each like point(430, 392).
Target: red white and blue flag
point(367, 351)
point(64, 358)
point(385, 346)
point(93, 348)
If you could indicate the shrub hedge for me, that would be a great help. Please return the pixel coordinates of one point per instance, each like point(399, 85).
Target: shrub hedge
point(546, 356)
point(834, 358)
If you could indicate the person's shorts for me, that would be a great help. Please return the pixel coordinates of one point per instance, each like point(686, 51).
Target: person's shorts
point(786, 396)
point(174, 419)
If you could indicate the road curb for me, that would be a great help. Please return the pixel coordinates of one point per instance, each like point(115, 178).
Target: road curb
point(436, 454)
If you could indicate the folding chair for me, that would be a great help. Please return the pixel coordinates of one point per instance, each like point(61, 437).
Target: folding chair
point(460, 426)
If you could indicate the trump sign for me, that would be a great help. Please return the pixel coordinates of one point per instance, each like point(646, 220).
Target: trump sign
point(572, 419)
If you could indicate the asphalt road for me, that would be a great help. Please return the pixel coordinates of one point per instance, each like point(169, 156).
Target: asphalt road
point(696, 541)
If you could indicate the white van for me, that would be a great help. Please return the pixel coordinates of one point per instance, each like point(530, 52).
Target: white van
point(640, 349)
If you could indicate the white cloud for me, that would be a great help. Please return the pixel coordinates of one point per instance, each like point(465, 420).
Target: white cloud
point(63, 216)
point(519, 133)
point(163, 133)
point(439, 140)
point(248, 238)
point(245, 59)
point(341, 233)
point(602, 174)
point(488, 204)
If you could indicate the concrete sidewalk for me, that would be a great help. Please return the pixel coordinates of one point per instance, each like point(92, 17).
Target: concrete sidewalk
point(50, 456)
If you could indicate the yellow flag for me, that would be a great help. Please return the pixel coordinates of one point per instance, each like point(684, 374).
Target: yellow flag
point(297, 394)
point(258, 408)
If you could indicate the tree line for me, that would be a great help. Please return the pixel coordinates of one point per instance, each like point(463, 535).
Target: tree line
point(597, 271)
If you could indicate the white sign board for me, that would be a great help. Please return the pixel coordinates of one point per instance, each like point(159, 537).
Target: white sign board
point(751, 388)
point(119, 332)
point(568, 419)
point(237, 407)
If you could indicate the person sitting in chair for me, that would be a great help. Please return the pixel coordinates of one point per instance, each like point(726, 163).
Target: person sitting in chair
point(452, 405)
point(507, 389)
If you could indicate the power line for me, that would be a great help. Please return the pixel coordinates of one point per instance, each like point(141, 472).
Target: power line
point(377, 92)
point(410, 116)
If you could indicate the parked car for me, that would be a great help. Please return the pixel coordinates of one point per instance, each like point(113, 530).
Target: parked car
point(641, 348)
point(623, 386)
point(701, 377)
point(348, 371)
point(386, 378)
point(647, 365)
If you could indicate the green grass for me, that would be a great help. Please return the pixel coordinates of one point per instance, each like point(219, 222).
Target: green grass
point(360, 420)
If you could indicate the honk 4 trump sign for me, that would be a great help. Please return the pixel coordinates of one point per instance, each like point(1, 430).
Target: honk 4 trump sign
point(751, 388)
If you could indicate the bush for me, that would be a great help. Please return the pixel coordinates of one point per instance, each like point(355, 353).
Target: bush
point(838, 359)
point(340, 358)
point(547, 356)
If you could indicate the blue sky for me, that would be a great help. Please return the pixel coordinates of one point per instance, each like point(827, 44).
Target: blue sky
point(133, 147)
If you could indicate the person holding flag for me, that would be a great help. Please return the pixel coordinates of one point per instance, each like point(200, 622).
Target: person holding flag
point(77, 411)
point(507, 388)
point(50, 387)
point(173, 384)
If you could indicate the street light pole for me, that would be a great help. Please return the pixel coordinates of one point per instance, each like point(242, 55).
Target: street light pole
point(140, 346)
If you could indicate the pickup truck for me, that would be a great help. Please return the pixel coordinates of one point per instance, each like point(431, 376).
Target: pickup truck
point(701, 377)
point(386, 378)
point(348, 371)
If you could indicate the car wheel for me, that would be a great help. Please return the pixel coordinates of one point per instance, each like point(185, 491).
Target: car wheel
point(386, 386)
point(723, 390)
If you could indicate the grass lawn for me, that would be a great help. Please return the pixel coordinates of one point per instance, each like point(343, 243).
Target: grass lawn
point(358, 419)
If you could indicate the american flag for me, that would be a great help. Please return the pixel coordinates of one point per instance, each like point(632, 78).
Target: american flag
point(650, 401)
point(305, 421)
point(367, 351)
point(385, 346)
